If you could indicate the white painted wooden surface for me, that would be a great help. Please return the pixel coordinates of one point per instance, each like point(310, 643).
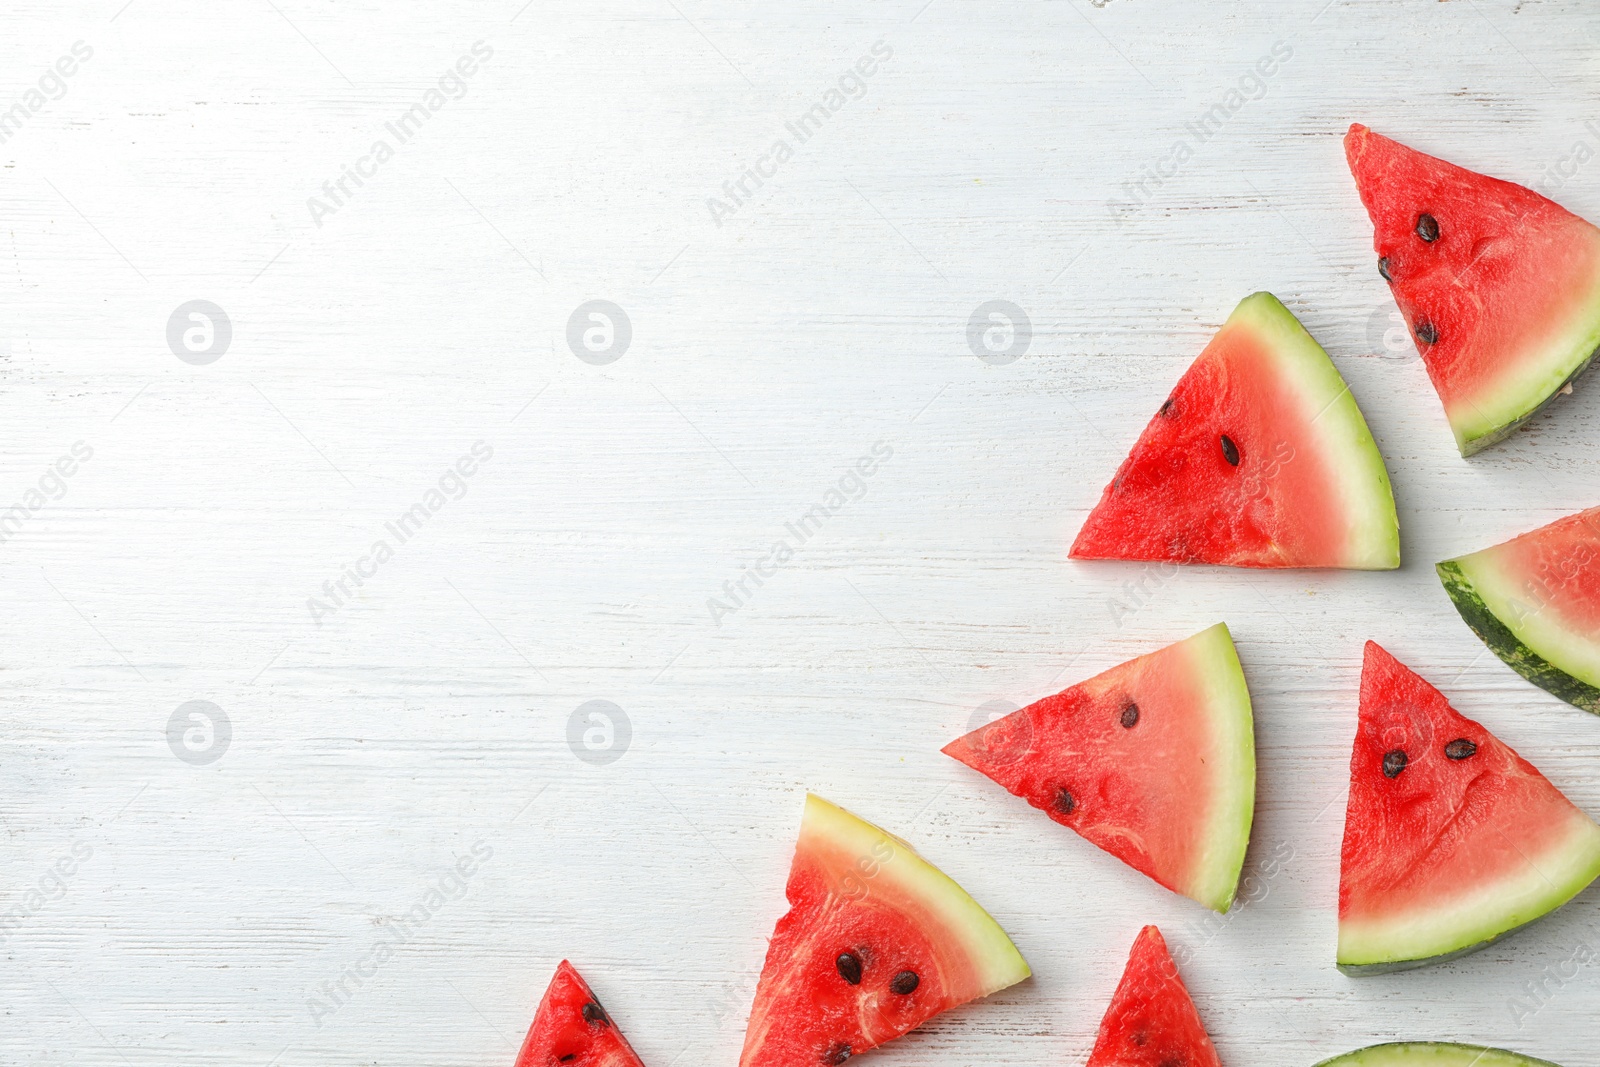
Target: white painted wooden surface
point(826, 314)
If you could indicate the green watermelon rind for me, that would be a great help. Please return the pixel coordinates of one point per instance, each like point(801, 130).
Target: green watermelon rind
point(1371, 970)
point(1575, 863)
point(1350, 448)
point(892, 860)
point(852, 863)
point(1503, 642)
point(1432, 1054)
point(1474, 438)
point(1232, 714)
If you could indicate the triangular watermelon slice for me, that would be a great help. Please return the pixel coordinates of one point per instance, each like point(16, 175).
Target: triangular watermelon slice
point(876, 942)
point(1152, 1021)
point(1258, 458)
point(1153, 760)
point(1500, 286)
point(571, 1029)
point(1535, 600)
point(1451, 839)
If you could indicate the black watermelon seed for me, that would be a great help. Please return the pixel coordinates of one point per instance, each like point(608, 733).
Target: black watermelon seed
point(1064, 802)
point(1427, 333)
point(594, 1013)
point(1166, 407)
point(836, 1055)
point(569, 1057)
point(849, 965)
point(1383, 269)
point(1130, 716)
point(1230, 451)
point(905, 983)
point(1461, 748)
point(1394, 762)
point(1427, 227)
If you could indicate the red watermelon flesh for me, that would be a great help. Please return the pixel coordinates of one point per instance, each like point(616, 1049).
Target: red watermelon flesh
point(1152, 1021)
point(1499, 285)
point(1152, 760)
point(1535, 601)
point(1558, 561)
point(1451, 839)
point(1258, 458)
point(571, 1029)
point(876, 941)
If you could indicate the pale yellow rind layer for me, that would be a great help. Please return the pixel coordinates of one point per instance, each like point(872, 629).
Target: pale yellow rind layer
point(994, 958)
point(1373, 535)
point(1546, 882)
point(1214, 660)
point(1532, 375)
point(1432, 1054)
point(1541, 629)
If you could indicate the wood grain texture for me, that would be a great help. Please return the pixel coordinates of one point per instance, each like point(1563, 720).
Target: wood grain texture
point(826, 314)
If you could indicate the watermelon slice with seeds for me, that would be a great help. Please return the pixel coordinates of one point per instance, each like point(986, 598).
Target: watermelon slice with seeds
point(1258, 458)
point(876, 942)
point(1451, 839)
point(1535, 601)
point(1432, 1054)
point(1499, 286)
point(1152, 1021)
point(1153, 761)
point(571, 1029)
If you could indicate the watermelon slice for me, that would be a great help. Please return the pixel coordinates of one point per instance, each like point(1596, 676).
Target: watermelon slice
point(1432, 1054)
point(571, 1029)
point(1259, 458)
point(1152, 1021)
point(1500, 287)
point(1153, 760)
point(1451, 839)
point(876, 941)
point(1535, 600)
